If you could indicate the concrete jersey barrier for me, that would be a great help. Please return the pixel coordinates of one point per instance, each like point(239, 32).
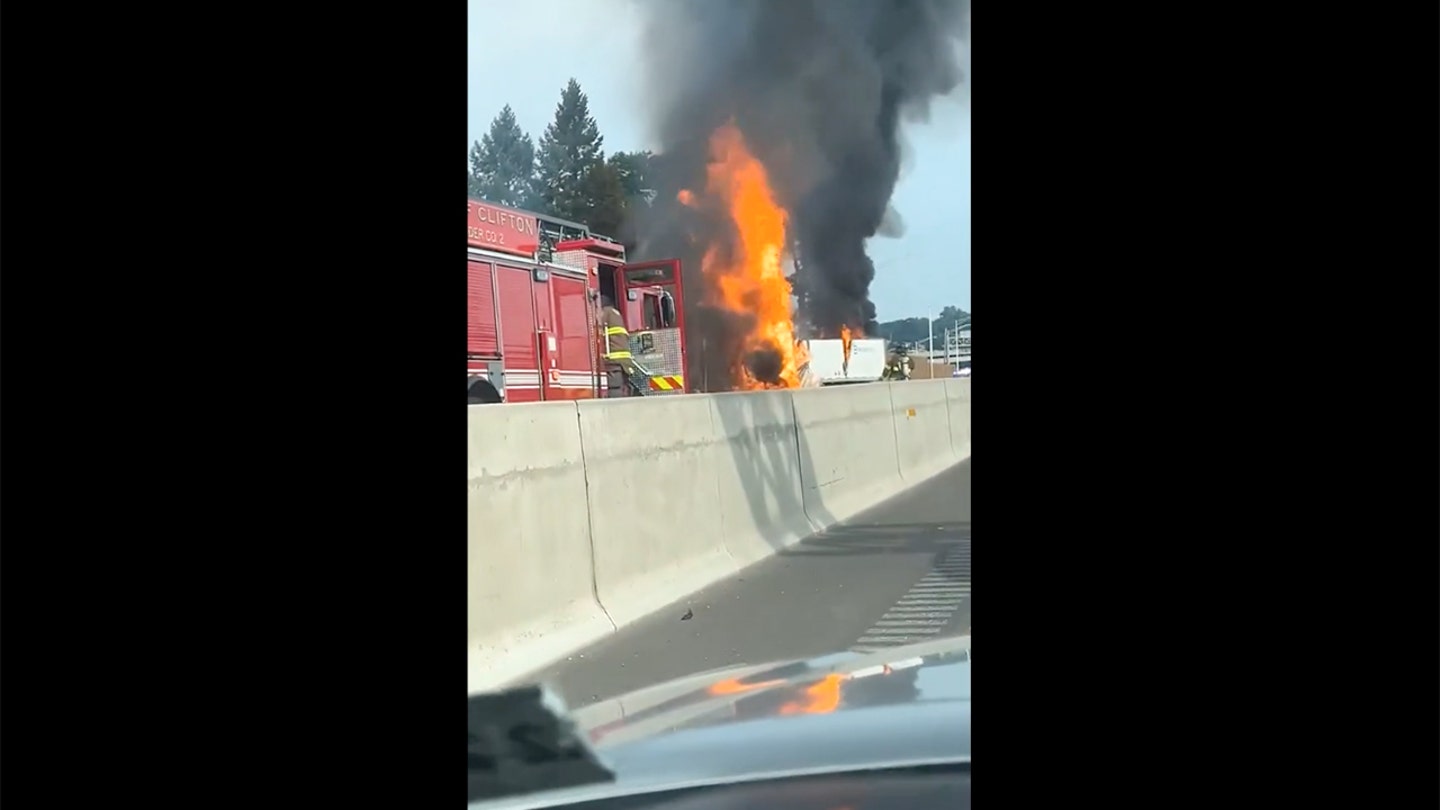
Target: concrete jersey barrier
point(762, 507)
point(846, 439)
point(585, 517)
point(957, 400)
point(922, 428)
point(530, 592)
point(654, 501)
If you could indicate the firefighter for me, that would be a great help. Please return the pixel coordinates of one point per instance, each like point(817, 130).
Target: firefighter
point(620, 372)
point(897, 367)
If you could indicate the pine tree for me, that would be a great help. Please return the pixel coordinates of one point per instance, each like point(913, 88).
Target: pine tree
point(568, 150)
point(605, 195)
point(633, 171)
point(502, 163)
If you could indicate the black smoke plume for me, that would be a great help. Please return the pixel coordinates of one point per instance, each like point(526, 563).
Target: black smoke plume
point(819, 89)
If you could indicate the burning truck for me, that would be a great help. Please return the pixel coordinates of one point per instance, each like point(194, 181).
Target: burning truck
point(778, 125)
point(758, 327)
point(843, 361)
point(846, 359)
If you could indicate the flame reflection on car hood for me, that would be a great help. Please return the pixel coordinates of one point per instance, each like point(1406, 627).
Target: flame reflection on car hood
point(936, 671)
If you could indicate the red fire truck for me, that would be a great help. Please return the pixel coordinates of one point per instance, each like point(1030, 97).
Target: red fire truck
point(535, 286)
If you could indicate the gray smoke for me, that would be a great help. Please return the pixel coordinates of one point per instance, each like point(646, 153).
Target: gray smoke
point(892, 226)
point(819, 88)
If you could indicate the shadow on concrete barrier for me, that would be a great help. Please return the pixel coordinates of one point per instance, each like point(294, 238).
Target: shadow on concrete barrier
point(846, 437)
point(530, 574)
point(762, 505)
point(906, 528)
point(587, 516)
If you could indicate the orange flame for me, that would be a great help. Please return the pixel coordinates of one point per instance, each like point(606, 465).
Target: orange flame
point(822, 697)
point(735, 686)
point(845, 338)
point(750, 280)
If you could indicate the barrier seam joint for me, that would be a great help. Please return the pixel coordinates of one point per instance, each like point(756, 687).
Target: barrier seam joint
point(590, 522)
point(800, 465)
point(895, 430)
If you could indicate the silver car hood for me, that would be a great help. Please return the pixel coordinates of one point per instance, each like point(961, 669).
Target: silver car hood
point(903, 707)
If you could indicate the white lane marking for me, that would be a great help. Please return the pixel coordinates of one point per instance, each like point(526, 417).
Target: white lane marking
point(938, 587)
point(925, 610)
point(899, 636)
point(897, 633)
point(925, 588)
point(907, 623)
point(932, 591)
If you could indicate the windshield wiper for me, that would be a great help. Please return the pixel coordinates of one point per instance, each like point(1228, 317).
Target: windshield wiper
point(521, 741)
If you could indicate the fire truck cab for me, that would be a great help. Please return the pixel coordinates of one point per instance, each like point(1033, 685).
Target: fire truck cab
point(535, 287)
point(648, 296)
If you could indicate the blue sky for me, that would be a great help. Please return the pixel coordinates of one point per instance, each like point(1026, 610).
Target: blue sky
point(519, 54)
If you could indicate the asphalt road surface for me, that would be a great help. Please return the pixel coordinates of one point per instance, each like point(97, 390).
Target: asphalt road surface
point(896, 574)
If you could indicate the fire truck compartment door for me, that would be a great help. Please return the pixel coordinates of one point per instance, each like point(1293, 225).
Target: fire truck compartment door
point(545, 349)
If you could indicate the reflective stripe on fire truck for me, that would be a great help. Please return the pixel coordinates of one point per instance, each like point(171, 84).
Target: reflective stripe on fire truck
point(530, 378)
point(668, 382)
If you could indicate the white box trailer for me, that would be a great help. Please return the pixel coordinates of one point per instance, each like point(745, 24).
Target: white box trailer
point(828, 365)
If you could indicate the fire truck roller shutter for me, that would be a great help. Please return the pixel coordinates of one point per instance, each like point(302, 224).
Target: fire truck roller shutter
point(483, 393)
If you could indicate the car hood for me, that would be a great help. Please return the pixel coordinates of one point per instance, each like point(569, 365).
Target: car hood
point(927, 673)
point(904, 707)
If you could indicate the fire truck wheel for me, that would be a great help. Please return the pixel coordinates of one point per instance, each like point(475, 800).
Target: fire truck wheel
point(483, 393)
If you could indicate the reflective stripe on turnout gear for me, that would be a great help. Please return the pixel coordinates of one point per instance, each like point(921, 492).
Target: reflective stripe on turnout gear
point(617, 337)
point(612, 331)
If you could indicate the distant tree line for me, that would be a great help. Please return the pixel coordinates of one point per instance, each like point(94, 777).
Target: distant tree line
point(568, 175)
point(917, 330)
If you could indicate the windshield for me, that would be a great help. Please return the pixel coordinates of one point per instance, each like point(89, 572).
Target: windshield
point(680, 519)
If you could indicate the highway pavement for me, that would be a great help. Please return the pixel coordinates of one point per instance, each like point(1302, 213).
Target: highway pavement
point(896, 574)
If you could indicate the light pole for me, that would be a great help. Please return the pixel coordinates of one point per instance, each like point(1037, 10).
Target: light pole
point(930, 322)
point(959, 324)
